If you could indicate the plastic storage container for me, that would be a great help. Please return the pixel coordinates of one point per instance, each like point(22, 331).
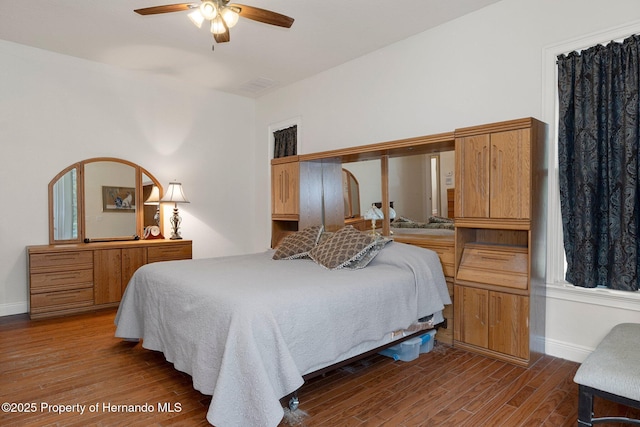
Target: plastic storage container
point(428, 340)
point(406, 351)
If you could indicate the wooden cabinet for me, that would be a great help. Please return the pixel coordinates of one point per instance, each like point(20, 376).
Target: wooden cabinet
point(491, 320)
point(285, 181)
point(114, 267)
point(68, 279)
point(493, 175)
point(305, 194)
point(499, 303)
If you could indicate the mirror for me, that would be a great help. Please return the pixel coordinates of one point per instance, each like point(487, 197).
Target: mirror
point(367, 174)
point(100, 199)
point(109, 200)
point(350, 194)
point(419, 185)
point(65, 208)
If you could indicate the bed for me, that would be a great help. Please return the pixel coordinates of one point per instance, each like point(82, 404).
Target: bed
point(247, 328)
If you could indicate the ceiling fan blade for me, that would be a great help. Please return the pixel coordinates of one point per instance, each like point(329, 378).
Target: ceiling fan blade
point(262, 15)
point(164, 9)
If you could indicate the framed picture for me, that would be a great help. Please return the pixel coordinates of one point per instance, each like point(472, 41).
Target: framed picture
point(118, 199)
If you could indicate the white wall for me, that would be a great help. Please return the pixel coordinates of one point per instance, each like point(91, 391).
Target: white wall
point(484, 67)
point(56, 110)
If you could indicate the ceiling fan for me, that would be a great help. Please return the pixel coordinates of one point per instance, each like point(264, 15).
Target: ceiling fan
point(221, 15)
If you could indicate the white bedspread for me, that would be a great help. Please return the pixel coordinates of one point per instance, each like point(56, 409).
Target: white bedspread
point(246, 328)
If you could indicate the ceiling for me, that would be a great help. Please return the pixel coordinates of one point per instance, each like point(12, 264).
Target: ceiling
point(259, 57)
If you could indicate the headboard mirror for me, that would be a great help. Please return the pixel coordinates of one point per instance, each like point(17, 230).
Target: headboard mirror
point(367, 175)
point(417, 184)
point(100, 199)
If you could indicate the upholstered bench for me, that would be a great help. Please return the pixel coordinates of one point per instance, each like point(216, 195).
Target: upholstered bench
point(611, 372)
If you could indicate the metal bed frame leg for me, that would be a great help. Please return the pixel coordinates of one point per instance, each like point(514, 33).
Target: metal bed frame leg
point(294, 402)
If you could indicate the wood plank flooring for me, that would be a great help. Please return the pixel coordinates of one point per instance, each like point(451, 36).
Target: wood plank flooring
point(77, 361)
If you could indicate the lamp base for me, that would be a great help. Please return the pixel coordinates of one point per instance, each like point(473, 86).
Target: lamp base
point(175, 224)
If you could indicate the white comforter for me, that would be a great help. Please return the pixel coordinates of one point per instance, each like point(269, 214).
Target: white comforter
point(246, 328)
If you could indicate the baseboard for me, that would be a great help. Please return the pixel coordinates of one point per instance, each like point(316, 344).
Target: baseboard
point(566, 351)
point(14, 308)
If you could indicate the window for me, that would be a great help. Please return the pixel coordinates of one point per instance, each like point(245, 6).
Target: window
point(555, 254)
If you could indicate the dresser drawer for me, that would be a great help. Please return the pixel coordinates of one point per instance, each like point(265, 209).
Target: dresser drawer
point(49, 301)
point(446, 256)
point(57, 260)
point(60, 280)
point(168, 253)
point(500, 265)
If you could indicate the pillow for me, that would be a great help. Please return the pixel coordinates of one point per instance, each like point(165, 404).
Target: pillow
point(369, 255)
point(344, 247)
point(440, 219)
point(298, 244)
point(324, 236)
point(401, 219)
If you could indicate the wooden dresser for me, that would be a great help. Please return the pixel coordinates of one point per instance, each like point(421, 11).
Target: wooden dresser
point(69, 279)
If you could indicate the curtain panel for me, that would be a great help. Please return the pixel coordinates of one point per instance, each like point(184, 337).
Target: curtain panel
point(285, 142)
point(598, 142)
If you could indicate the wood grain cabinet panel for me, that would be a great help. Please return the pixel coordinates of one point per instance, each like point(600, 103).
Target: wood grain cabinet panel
point(68, 279)
point(509, 324)
point(473, 317)
point(495, 321)
point(285, 181)
point(132, 259)
point(168, 252)
point(493, 175)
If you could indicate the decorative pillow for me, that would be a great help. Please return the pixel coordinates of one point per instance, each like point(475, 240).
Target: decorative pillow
point(440, 219)
point(344, 247)
point(324, 236)
point(298, 244)
point(401, 219)
point(369, 255)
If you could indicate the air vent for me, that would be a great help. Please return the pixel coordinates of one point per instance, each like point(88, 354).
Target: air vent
point(257, 85)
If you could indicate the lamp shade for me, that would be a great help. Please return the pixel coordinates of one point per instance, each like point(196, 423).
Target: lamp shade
point(154, 197)
point(373, 213)
point(174, 194)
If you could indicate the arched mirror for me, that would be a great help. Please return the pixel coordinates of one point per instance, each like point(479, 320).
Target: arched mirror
point(350, 194)
point(100, 199)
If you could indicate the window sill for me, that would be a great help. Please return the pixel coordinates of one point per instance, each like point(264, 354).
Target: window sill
point(594, 296)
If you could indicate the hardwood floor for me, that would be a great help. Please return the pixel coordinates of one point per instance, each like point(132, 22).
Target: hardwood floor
point(77, 361)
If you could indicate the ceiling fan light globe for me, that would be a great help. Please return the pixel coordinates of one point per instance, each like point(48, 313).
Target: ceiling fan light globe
point(208, 10)
point(230, 16)
point(217, 26)
point(197, 18)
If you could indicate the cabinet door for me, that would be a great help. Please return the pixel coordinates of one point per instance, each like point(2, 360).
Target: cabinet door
point(284, 189)
point(474, 317)
point(132, 259)
point(509, 324)
point(510, 186)
point(107, 275)
point(472, 176)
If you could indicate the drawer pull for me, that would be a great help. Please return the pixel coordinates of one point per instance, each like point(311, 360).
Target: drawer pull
point(493, 257)
point(68, 277)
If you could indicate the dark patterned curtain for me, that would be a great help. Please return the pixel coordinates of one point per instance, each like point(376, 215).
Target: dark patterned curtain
point(598, 141)
point(286, 142)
